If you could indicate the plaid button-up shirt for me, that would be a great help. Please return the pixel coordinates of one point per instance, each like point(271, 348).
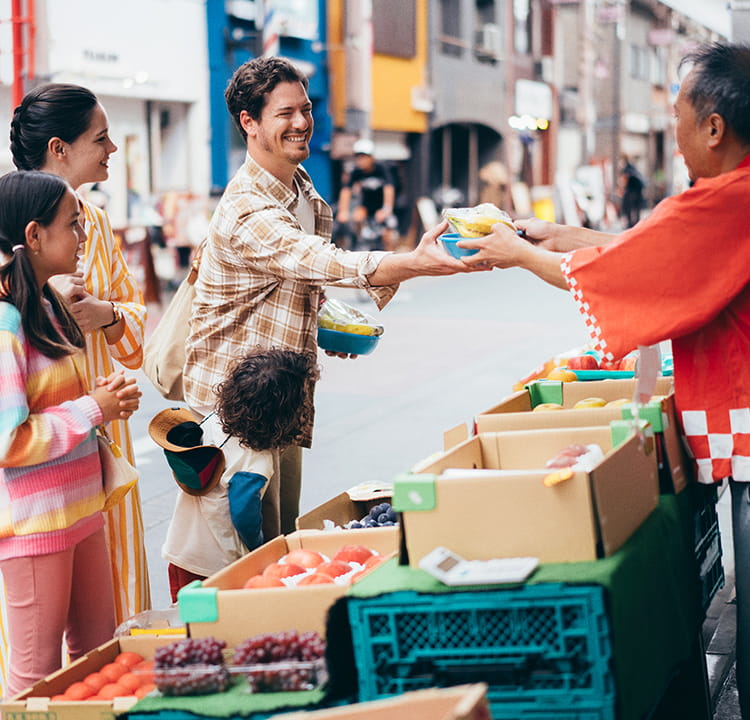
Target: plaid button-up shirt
point(261, 278)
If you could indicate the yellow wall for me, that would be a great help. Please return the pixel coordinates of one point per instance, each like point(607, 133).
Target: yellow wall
point(392, 78)
point(336, 62)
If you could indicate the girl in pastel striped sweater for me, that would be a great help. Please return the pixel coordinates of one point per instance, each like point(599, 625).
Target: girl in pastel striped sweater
point(53, 553)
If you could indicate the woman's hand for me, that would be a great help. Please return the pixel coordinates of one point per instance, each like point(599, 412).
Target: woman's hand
point(91, 313)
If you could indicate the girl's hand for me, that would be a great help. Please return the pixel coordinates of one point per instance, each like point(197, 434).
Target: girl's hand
point(117, 396)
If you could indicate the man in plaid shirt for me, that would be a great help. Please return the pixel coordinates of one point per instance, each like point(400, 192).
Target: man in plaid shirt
point(268, 254)
point(681, 274)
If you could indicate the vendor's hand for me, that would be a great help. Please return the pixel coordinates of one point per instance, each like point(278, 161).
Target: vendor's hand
point(331, 353)
point(91, 313)
point(70, 287)
point(430, 258)
point(502, 248)
point(541, 232)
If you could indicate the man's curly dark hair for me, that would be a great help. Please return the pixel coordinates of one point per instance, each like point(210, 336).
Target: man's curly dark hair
point(266, 400)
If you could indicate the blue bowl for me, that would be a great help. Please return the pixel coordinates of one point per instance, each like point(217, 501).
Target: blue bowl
point(349, 343)
point(449, 241)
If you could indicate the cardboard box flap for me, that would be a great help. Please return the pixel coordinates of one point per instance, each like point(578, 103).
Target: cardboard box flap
point(526, 449)
point(462, 702)
point(619, 510)
point(454, 436)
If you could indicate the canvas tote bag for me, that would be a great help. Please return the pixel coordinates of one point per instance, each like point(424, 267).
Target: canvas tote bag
point(164, 351)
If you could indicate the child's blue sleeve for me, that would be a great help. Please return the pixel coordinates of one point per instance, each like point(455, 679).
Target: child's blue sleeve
point(245, 506)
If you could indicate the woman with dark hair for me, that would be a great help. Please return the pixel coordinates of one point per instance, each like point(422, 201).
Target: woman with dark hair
point(63, 129)
point(53, 550)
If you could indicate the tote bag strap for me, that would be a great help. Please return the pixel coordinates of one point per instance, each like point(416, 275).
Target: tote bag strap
point(196, 263)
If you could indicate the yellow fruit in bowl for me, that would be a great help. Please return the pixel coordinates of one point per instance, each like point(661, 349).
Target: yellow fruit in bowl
point(547, 406)
point(617, 403)
point(562, 373)
point(591, 402)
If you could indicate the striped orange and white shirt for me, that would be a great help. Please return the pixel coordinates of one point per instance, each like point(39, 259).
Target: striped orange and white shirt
point(108, 277)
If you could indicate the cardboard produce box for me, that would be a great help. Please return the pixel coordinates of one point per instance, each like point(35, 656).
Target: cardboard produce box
point(339, 510)
point(486, 497)
point(219, 606)
point(462, 702)
point(514, 413)
point(36, 703)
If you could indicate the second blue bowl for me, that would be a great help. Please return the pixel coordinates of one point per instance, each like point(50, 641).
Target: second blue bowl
point(349, 343)
point(449, 241)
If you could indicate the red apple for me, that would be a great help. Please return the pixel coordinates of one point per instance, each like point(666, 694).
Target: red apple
point(259, 581)
point(316, 578)
point(304, 557)
point(282, 570)
point(334, 568)
point(583, 362)
point(353, 553)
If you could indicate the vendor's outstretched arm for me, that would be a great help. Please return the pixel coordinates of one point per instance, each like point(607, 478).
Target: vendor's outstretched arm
point(428, 258)
point(561, 238)
point(503, 248)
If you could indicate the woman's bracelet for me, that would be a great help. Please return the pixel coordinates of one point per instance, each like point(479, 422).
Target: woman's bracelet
point(115, 314)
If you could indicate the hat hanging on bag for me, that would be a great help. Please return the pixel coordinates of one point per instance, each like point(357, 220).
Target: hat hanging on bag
point(196, 467)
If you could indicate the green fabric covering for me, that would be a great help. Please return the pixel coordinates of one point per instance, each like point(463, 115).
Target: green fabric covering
point(235, 702)
point(652, 595)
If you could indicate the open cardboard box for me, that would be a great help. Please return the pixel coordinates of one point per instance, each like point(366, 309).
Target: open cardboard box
point(486, 498)
point(514, 413)
point(35, 702)
point(461, 702)
point(220, 607)
point(339, 510)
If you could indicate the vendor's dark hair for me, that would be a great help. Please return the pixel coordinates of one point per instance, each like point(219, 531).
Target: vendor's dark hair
point(27, 196)
point(253, 81)
point(51, 110)
point(721, 73)
point(266, 400)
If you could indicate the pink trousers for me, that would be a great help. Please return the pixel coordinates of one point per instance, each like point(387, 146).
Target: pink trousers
point(66, 593)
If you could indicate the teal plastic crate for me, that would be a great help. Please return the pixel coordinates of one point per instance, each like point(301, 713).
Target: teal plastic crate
point(544, 650)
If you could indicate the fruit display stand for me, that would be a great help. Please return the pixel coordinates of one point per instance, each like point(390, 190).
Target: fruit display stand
point(221, 607)
point(516, 412)
point(599, 639)
point(38, 701)
point(488, 495)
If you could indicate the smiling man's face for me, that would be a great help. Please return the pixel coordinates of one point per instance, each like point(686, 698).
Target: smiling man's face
point(280, 140)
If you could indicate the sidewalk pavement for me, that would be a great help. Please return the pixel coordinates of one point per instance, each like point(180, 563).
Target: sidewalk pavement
point(719, 627)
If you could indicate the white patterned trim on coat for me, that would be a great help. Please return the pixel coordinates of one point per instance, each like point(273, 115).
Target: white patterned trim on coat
point(592, 324)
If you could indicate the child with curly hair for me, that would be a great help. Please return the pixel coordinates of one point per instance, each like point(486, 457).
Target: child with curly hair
point(262, 407)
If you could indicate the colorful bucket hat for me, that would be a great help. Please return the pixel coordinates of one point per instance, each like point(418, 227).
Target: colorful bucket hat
point(196, 467)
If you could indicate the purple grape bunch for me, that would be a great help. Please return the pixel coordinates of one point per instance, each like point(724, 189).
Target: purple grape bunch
point(293, 661)
point(193, 666)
